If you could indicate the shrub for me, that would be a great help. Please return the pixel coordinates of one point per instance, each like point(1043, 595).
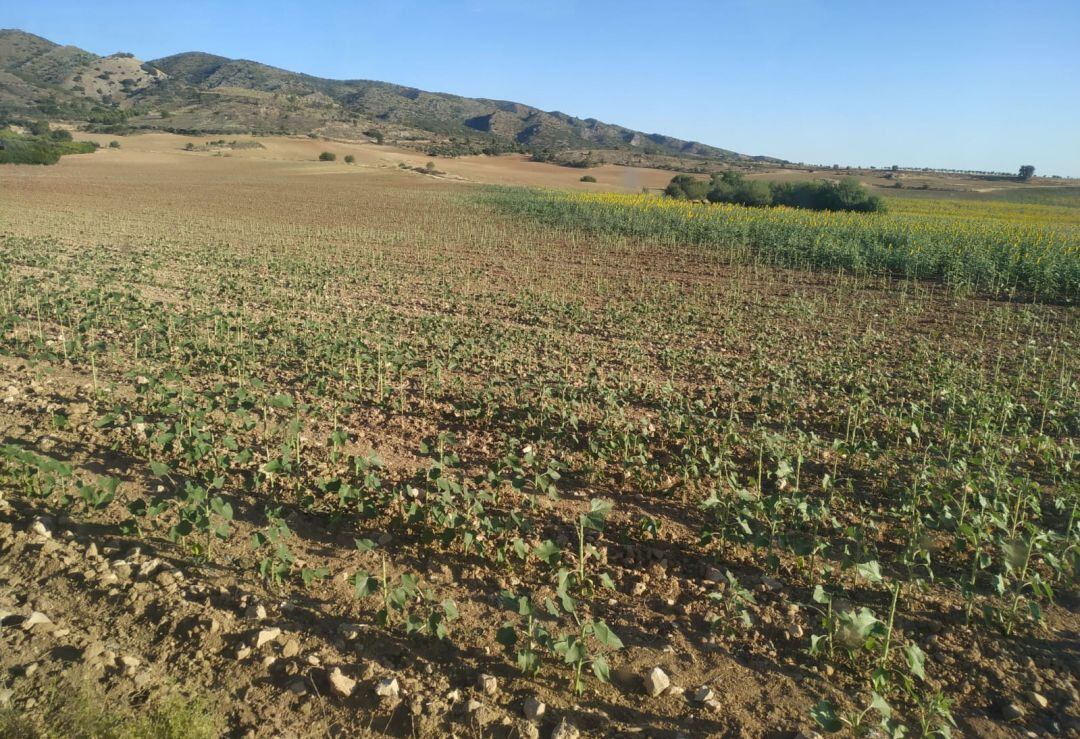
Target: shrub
point(327, 156)
point(114, 144)
point(686, 187)
point(848, 194)
point(349, 159)
point(587, 178)
point(375, 134)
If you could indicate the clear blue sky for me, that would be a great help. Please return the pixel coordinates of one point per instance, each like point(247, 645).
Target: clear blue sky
point(980, 84)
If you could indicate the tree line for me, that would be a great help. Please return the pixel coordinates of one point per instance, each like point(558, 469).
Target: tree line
point(733, 187)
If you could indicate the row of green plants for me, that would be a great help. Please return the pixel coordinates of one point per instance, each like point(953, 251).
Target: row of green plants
point(942, 474)
point(994, 255)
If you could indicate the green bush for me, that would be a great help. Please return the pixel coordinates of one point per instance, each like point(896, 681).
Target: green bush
point(15, 149)
point(349, 159)
point(327, 156)
point(686, 187)
point(375, 134)
point(114, 144)
point(587, 178)
point(732, 187)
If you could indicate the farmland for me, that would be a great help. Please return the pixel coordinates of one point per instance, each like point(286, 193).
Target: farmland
point(369, 451)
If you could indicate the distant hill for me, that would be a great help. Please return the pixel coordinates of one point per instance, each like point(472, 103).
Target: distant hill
point(196, 92)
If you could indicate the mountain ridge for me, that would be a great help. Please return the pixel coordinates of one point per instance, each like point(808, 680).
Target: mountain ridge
point(200, 92)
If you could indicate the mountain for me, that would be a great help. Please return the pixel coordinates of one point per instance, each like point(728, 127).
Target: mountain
point(196, 92)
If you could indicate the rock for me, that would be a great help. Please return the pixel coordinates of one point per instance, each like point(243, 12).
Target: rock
point(121, 569)
point(487, 684)
point(533, 708)
point(794, 631)
point(243, 653)
point(656, 682)
point(712, 574)
point(265, 636)
point(528, 730)
point(349, 632)
point(42, 526)
point(1039, 700)
point(291, 649)
point(388, 688)
point(91, 551)
point(5, 697)
point(37, 618)
point(298, 687)
point(1012, 711)
point(148, 568)
point(473, 705)
point(808, 734)
point(704, 694)
point(772, 584)
point(256, 612)
point(713, 705)
point(341, 684)
point(93, 650)
point(565, 730)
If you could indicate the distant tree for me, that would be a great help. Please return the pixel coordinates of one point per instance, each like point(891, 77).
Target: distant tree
point(189, 146)
point(114, 144)
point(60, 134)
point(587, 178)
point(375, 134)
point(430, 166)
point(39, 128)
point(1027, 172)
point(327, 156)
point(349, 159)
point(687, 187)
point(895, 168)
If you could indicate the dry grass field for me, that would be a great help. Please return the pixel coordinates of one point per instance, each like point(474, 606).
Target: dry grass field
point(298, 448)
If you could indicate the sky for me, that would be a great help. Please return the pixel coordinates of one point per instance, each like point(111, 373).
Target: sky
point(950, 83)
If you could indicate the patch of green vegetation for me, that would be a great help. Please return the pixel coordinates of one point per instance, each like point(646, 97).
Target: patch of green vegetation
point(732, 187)
point(40, 149)
point(1068, 197)
point(85, 711)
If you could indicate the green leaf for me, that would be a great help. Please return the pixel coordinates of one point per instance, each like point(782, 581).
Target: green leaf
point(916, 660)
point(548, 551)
point(869, 571)
point(826, 717)
point(364, 545)
point(450, 609)
point(281, 401)
point(600, 668)
point(880, 705)
point(364, 584)
point(606, 636)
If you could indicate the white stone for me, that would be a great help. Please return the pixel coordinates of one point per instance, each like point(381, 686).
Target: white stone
point(341, 684)
point(388, 688)
point(534, 708)
point(656, 682)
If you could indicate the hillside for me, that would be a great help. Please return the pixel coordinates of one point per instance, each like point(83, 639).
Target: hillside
point(196, 92)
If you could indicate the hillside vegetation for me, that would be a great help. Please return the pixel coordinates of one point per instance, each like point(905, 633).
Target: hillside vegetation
point(198, 92)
